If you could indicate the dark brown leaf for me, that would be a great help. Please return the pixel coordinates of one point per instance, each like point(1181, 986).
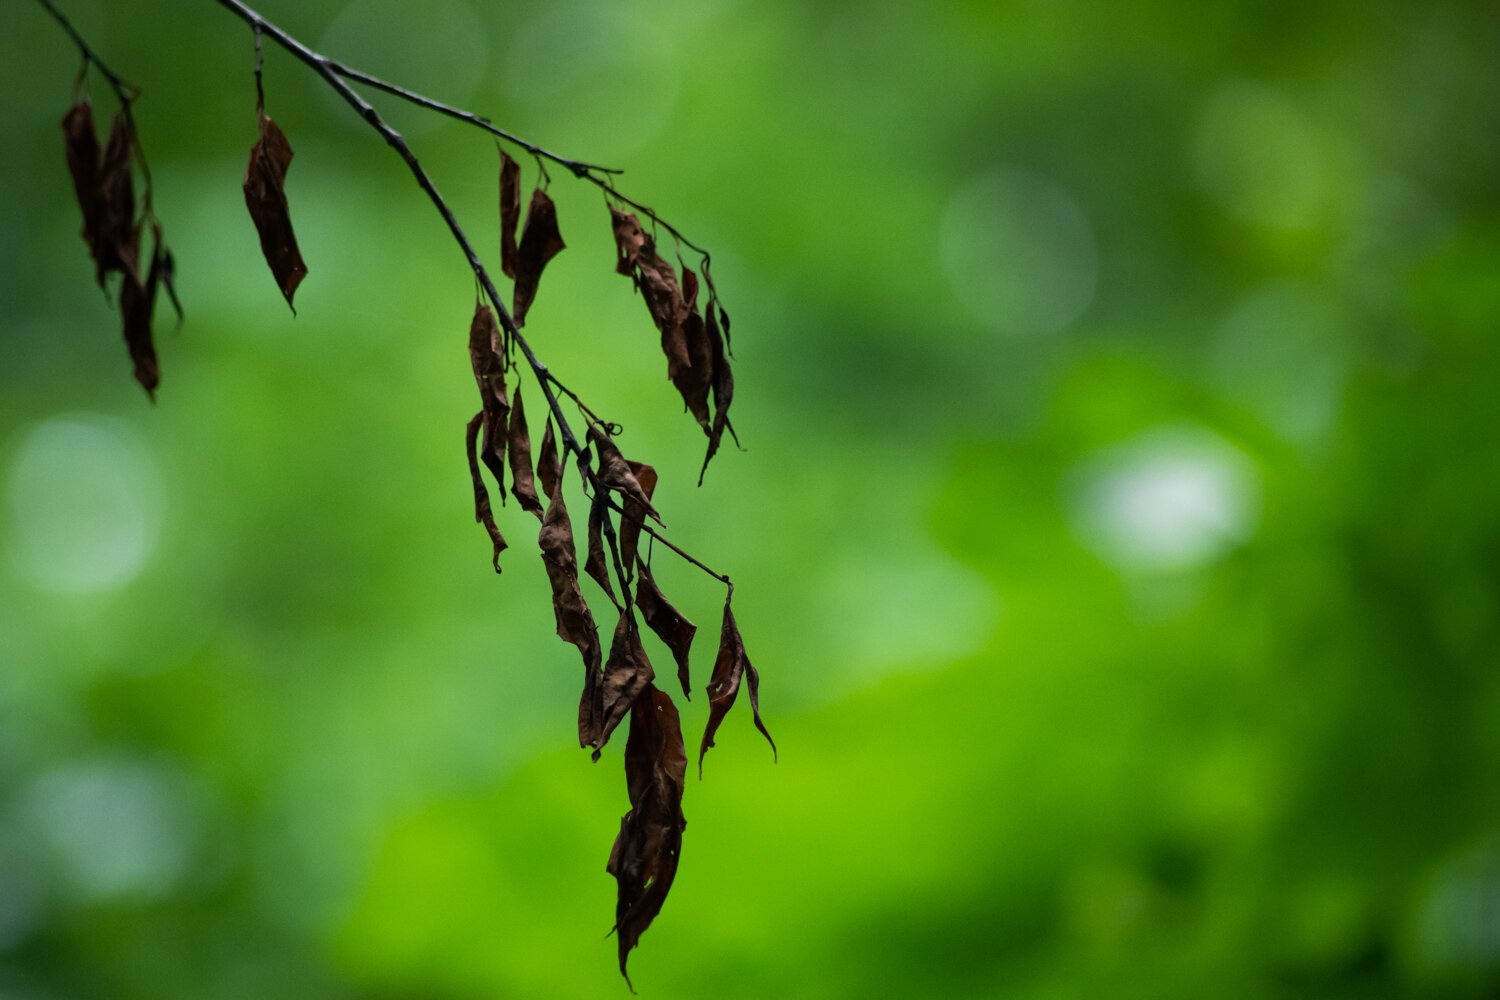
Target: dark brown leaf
point(630, 240)
point(635, 514)
point(693, 380)
point(627, 673)
point(81, 145)
point(667, 622)
point(723, 387)
point(540, 242)
point(730, 667)
point(265, 196)
point(597, 565)
point(575, 623)
point(646, 853)
point(548, 466)
point(116, 234)
point(487, 359)
point(522, 479)
point(135, 312)
point(510, 212)
point(657, 282)
point(483, 514)
point(615, 472)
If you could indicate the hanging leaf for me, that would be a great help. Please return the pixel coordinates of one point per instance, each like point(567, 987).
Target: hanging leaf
point(657, 283)
point(627, 673)
point(548, 467)
point(730, 667)
point(615, 472)
point(647, 851)
point(693, 380)
point(117, 235)
point(575, 623)
point(265, 196)
point(723, 388)
point(488, 362)
point(81, 145)
point(522, 479)
point(510, 212)
point(540, 242)
point(135, 313)
point(635, 515)
point(483, 514)
point(667, 622)
point(596, 565)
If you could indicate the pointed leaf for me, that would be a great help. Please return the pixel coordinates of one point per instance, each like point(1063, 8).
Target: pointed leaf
point(548, 466)
point(693, 380)
point(488, 362)
point(596, 565)
point(646, 853)
point(135, 313)
point(575, 623)
point(723, 388)
point(483, 514)
point(522, 479)
point(730, 668)
point(116, 233)
point(667, 622)
point(540, 242)
point(614, 471)
point(635, 515)
point(265, 197)
point(627, 673)
point(510, 212)
point(81, 145)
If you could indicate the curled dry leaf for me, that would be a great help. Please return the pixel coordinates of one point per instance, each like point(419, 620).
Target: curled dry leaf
point(116, 233)
point(522, 479)
point(627, 673)
point(540, 242)
point(730, 667)
point(575, 623)
point(693, 381)
point(81, 145)
point(596, 565)
point(723, 388)
point(657, 282)
point(548, 466)
point(667, 622)
point(135, 313)
point(483, 514)
point(634, 514)
point(510, 212)
point(487, 359)
point(615, 473)
point(265, 196)
point(647, 851)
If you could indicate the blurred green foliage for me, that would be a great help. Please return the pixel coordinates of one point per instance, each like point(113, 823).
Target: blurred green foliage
point(1117, 534)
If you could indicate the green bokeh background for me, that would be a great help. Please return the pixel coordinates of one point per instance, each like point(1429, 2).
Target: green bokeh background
point(1117, 531)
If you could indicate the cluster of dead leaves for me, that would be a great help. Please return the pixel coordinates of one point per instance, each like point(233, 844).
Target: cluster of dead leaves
point(103, 180)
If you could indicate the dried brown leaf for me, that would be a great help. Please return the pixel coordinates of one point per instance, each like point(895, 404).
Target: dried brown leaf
point(487, 359)
point(657, 282)
point(522, 479)
point(483, 514)
point(597, 565)
point(627, 672)
point(81, 145)
point(730, 667)
point(634, 515)
point(265, 197)
point(510, 212)
point(615, 473)
point(135, 313)
point(116, 234)
point(667, 622)
point(723, 388)
point(540, 242)
point(630, 240)
point(575, 623)
point(548, 466)
point(694, 380)
point(647, 851)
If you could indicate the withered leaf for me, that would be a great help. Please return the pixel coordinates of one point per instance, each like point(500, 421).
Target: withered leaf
point(630, 240)
point(116, 234)
point(548, 466)
point(575, 623)
point(657, 282)
point(540, 242)
point(723, 388)
point(596, 565)
point(510, 212)
point(693, 380)
point(522, 479)
point(135, 312)
point(81, 145)
point(667, 622)
point(265, 196)
point(627, 672)
point(488, 362)
point(730, 667)
point(646, 853)
point(483, 514)
point(615, 472)
point(635, 515)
